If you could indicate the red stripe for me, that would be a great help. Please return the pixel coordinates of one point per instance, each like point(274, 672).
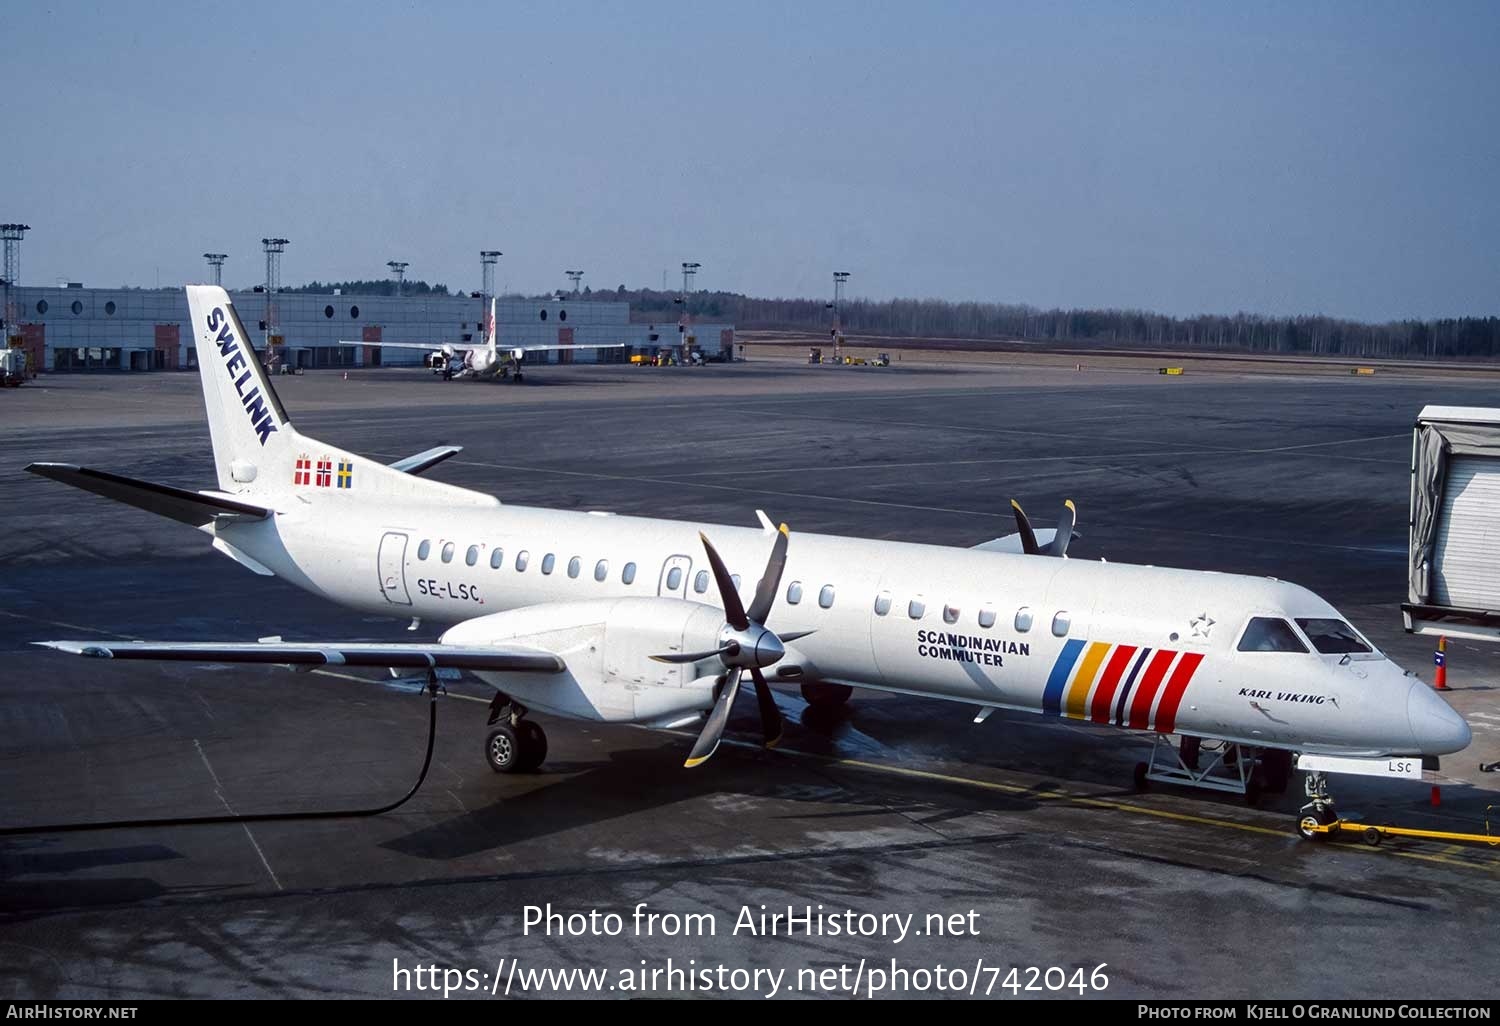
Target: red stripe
point(1166, 715)
point(1145, 694)
point(1104, 694)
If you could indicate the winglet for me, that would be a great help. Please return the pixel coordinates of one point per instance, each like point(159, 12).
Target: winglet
point(765, 522)
point(785, 531)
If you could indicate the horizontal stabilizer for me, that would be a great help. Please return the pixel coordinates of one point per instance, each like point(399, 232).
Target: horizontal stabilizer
point(427, 459)
point(313, 653)
point(178, 504)
point(1012, 542)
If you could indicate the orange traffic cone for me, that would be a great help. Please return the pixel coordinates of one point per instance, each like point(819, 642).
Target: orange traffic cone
point(1440, 660)
point(1437, 796)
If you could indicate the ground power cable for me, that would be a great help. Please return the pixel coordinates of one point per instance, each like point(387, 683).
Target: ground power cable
point(256, 817)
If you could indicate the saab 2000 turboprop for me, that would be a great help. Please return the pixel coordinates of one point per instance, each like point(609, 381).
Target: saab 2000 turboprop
point(488, 360)
point(642, 620)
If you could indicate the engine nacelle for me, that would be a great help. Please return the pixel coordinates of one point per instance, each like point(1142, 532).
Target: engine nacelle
point(607, 645)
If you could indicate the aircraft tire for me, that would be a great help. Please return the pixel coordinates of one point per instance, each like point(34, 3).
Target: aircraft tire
point(533, 745)
point(502, 749)
point(1276, 764)
point(1319, 817)
point(827, 696)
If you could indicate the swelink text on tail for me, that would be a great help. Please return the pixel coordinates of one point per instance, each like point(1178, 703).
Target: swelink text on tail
point(240, 372)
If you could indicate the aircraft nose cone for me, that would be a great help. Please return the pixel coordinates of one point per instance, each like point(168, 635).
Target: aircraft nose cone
point(1436, 728)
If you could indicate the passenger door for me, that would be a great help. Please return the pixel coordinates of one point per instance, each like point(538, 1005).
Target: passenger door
point(673, 582)
point(392, 564)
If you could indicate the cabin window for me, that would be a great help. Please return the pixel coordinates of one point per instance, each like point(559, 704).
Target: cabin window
point(425, 549)
point(916, 608)
point(1061, 623)
point(497, 559)
point(794, 593)
point(472, 556)
point(735, 578)
point(700, 581)
point(1332, 637)
point(548, 562)
point(674, 578)
point(1023, 619)
point(575, 565)
point(522, 558)
point(950, 614)
point(882, 603)
point(448, 553)
point(627, 575)
point(825, 597)
point(986, 618)
point(1270, 634)
point(601, 570)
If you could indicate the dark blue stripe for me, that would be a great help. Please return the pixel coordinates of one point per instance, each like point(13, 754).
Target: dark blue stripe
point(1052, 696)
point(1129, 683)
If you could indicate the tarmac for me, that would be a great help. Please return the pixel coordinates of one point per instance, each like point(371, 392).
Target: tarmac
point(892, 807)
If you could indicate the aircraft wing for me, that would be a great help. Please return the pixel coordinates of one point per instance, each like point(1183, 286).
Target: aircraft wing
point(534, 347)
point(186, 507)
point(1012, 542)
point(426, 347)
point(418, 655)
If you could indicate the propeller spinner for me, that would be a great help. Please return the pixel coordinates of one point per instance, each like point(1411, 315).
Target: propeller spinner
point(745, 644)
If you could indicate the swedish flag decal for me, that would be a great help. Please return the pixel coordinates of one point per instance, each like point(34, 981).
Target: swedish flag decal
point(346, 474)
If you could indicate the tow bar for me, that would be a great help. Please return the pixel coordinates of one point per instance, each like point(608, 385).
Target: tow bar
point(1373, 835)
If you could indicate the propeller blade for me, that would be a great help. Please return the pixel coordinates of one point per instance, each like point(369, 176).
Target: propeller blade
point(734, 610)
point(708, 740)
point(693, 657)
point(1023, 528)
point(794, 635)
point(770, 581)
point(1064, 534)
point(771, 723)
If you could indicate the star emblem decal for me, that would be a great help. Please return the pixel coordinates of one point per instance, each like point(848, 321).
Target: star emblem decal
point(1201, 624)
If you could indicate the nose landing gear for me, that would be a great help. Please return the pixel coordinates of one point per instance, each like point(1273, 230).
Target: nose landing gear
point(514, 744)
point(1318, 812)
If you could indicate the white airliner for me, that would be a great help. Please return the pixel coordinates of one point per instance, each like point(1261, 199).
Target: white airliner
point(641, 620)
point(487, 360)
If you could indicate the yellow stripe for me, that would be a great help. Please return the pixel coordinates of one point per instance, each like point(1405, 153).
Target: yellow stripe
point(1078, 694)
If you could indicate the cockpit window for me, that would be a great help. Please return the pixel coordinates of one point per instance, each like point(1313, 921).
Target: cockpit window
point(1332, 637)
point(1267, 634)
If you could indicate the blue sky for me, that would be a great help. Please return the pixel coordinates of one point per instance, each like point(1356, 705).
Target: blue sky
point(1339, 158)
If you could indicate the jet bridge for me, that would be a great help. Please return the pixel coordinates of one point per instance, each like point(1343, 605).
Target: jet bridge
point(1453, 551)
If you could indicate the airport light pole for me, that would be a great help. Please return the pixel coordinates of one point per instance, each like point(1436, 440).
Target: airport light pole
point(689, 270)
point(274, 248)
point(487, 260)
point(12, 234)
point(576, 276)
point(216, 266)
point(839, 278)
point(398, 269)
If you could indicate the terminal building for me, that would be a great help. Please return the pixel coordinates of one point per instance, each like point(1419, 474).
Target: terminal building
point(72, 328)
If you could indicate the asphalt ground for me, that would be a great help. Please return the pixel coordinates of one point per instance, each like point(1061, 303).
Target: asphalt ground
point(894, 805)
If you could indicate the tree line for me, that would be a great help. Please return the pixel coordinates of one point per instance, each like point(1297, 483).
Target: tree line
point(370, 287)
point(1474, 337)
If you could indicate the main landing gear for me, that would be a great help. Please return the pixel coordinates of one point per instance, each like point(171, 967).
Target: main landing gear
point(1232, 768)
point(514, 743)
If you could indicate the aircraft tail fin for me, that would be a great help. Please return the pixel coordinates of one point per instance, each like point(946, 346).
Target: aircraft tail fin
point(256, 449)
point(252, 435)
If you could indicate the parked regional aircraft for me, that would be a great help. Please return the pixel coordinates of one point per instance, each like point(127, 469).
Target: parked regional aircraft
point(625, 619)
point(488, 360)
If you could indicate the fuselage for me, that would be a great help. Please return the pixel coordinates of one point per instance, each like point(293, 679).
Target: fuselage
point(1139, 647)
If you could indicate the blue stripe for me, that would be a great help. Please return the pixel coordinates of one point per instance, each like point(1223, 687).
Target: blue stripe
point(1129, 683)
point(1061, 670)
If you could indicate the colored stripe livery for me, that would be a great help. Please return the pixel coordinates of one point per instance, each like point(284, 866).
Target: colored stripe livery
point(1139, 688)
